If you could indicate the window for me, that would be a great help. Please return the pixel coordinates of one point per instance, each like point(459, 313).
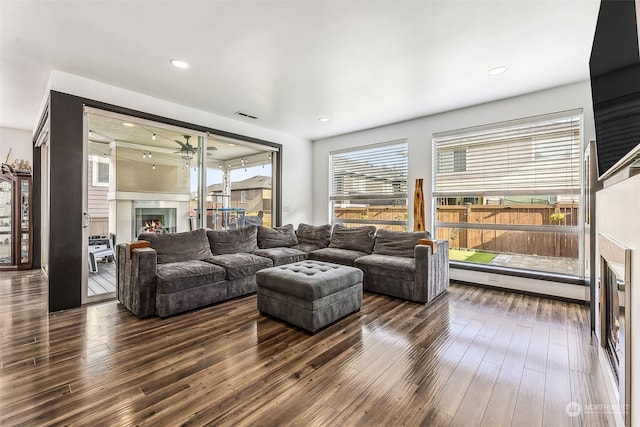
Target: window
point(368, 185)
point(100, 172)
point(243, 197)
point(452, 160)
point(508, 195)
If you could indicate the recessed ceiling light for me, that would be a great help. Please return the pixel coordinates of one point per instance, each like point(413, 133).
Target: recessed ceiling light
point(128, 124)
point(324, 119)
point(496, 71)
point(179, 63)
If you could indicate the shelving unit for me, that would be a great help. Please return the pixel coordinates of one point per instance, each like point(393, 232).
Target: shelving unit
point(16, 251)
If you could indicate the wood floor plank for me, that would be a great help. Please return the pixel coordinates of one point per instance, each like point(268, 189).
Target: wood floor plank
point(474, 404)
point(557, 390)
point(530, 402)
point(500, 407)
point(474, 357)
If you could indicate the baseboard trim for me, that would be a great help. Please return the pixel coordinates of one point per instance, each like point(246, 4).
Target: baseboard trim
point(525, 285)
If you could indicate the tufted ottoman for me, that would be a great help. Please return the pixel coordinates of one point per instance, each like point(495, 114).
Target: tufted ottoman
point(309, 294)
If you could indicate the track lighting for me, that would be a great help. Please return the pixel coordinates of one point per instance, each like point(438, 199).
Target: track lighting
point(90, 133)
point(153, 167)
point(144, 155)
point(153, 137)
point(149, 155)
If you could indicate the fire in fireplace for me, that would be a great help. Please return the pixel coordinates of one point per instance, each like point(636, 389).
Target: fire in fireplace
point(152, 224)
point(154, 220)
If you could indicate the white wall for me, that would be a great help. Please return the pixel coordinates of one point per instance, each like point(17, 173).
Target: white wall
point(617, 210)
point(296, 159)
point(418, 133)
point(19, 142)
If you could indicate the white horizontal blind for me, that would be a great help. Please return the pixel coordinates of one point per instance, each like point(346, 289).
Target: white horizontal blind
point(537, 157)
point(375, 172)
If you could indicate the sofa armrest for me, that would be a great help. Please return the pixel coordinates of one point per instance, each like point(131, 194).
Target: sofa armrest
point(432, 269)
point(136, 279)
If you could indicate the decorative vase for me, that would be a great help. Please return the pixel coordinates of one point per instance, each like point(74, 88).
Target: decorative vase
point(418, 206)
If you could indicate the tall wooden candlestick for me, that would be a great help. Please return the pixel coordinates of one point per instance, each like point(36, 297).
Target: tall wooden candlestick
point(418, 207)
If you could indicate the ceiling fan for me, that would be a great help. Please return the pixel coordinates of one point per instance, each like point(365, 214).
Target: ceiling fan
point(188, 151)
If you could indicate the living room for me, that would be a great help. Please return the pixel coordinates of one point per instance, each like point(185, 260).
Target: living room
point(304, 198)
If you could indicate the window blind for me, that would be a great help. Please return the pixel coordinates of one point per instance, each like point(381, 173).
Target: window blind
point(539, 156)
point(376, 172)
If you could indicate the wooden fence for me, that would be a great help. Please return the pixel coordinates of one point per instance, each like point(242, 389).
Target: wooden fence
point(558, 243)
point(547, 243)
point(346, 216)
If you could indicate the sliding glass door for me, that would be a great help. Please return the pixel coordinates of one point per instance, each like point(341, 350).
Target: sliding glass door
point(150, 177)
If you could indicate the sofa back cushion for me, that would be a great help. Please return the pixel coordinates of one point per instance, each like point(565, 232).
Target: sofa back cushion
point(398, 243)
point(277, 237)
point(238, 240)
point(319, 236)
point(353, 238)
point(176, 247)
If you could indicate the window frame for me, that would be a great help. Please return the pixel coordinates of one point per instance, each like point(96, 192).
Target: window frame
point(558, 153)
point(391, 184)
point(97, 163)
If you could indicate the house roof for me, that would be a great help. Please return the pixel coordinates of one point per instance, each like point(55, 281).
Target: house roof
point(255, 182)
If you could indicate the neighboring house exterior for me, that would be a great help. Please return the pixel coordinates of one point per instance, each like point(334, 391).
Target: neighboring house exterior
point(511, 161)
point(97, 203)
point(253, 194)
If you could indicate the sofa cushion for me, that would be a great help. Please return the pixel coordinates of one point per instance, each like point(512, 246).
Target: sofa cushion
point(336, 256)
point(281, 256)
point(397, 243)
point(241, 265)
point(353, 238)
point(177, 276)
point(276, 237)
point(318, 236)
point(391, 267)
point(243, 239)
point(183, 246)
point(306, 247)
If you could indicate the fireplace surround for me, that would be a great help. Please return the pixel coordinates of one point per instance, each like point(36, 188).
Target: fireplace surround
point(615, 316)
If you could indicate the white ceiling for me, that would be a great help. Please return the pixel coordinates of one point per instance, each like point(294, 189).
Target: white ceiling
point(360, 63)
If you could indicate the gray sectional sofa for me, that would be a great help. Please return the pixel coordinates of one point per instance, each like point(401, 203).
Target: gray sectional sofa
point(188, 270)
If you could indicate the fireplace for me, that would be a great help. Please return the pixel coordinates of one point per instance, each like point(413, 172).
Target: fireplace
point(154, 220)
point(615, 316)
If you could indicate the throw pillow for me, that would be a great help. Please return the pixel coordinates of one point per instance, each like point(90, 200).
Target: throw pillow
point(276, 237)
point(398, 243)
point(234, 241)
point(353, 238)
point(317, 236)
point(177, 247)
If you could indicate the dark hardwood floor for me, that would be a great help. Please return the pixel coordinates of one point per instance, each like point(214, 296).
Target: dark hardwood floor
point(475, 357)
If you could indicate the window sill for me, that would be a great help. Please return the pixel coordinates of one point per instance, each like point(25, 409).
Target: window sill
point(529, 274)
